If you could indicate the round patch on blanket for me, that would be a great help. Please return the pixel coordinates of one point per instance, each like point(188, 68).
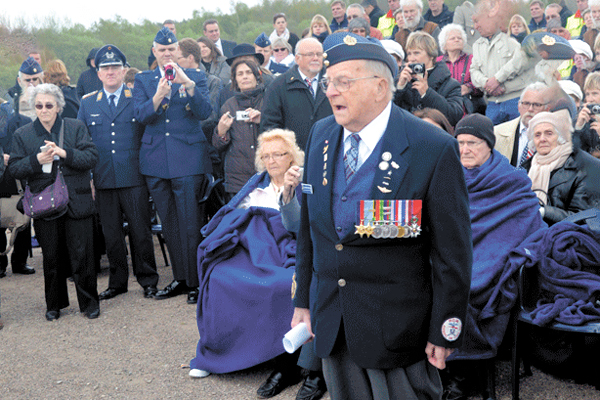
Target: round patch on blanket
point(451, 329)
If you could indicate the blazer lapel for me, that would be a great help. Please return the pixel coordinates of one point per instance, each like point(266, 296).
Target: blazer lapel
point(102, 101)
point(126, 97)
point(391, 166)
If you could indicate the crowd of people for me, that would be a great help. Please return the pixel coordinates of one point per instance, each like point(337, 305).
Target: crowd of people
point(433, 141)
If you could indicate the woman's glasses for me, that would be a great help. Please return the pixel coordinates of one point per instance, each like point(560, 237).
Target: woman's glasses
point(40, 106)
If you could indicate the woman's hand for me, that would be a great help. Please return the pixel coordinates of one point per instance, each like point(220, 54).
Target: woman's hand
point(254, 116)
point(224, 124)
point(583, 117)
point(405, 77)
point(45, 157)
point(420, 84)
point(55, 150)
point(291, 179)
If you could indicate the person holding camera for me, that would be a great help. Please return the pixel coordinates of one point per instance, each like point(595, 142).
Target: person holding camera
point(238, 128)
point(587, 128)
point(425, 83)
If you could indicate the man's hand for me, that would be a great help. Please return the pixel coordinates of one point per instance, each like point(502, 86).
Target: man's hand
point(302, 315)
point(6, 158)
point(437, 355)
point(491, 85)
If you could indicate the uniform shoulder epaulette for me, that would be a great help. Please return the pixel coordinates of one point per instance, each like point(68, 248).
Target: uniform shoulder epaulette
point(89, 94)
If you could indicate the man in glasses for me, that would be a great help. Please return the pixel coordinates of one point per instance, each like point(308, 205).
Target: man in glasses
point(511, 136)
point(295, 100)
point(30, 75)
point(384, 253)
point(120, 187)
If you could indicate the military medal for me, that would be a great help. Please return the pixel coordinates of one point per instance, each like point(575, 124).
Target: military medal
point(387, 156)
point(325, 162)
point(384, 165)
point(377, 232)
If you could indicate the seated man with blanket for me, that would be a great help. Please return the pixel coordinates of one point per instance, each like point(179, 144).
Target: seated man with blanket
point(245, 265)
point(504, 212)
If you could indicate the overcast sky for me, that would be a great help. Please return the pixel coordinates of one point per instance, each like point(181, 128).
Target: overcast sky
point(87, 12)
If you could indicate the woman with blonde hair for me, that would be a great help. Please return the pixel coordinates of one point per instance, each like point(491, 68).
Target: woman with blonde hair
point(517, 28)
point(319, 28)
point(56, 73)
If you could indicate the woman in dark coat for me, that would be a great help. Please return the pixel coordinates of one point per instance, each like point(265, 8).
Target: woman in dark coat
point(434, 87)
point(556, 169)
point(68, 236)
point(237, 131)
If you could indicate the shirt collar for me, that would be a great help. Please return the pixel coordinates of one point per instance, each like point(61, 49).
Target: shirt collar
point(374, 130)
point(117, 92)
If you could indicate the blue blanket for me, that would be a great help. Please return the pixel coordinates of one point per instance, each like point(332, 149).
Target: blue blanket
point(245, 265)
point(568, 260)
point(504, 212)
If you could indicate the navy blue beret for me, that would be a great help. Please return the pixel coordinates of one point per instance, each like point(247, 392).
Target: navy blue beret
point(165, 37)
point(109, 55)
point(557, 47)
point(30, 67)
point(262, 40)
point(344, 46)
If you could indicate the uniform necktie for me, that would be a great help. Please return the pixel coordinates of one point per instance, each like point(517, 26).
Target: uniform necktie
point(351, 156)
point(112, 103)
point(310, 86)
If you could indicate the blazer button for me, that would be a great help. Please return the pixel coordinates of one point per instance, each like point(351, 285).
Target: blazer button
point(342, 282)
point(113, 152)
point(113, 142)
point(339, 247)
point(112, 133)
point(167, 134)
point(93, 123)
point(112, 124)
point(167, 121)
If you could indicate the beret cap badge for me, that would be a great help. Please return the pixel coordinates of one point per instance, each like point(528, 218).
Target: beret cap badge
point(548, 40)
point(350, 41)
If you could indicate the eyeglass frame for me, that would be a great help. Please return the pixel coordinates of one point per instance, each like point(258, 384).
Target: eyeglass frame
point(275, 156)
point(324, 82)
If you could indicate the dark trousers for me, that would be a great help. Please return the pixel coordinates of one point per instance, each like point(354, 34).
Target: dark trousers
point(20, 252)
point(67, 241)
point(134, 203)
point(182, 217)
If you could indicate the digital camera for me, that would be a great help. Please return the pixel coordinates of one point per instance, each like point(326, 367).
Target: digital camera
point(169, 72)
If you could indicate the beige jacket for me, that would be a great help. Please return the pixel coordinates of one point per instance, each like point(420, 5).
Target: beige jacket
point(500, 57)
point(505, 137)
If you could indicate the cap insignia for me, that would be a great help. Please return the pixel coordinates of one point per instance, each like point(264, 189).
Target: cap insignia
point(548, 40)
point(350, 41)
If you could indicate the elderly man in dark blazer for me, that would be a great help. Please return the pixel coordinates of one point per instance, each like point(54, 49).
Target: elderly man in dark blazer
point(120, 187)
point(171, 102)
point(385, 233)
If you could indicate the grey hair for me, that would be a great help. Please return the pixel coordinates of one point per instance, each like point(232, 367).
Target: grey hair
point(20, 74)
point(404, 3)
point(48, 89)
point(283, 43)
point(533, 87)
point(308, 39)
point(154, 44)
point(443, 36)
point(381, 69)
point(359, 8)
point(593, 3)
point(285, 135)
point(553, 5)
point(360, 23)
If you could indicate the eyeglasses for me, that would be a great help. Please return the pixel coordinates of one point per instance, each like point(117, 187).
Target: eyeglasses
point(274, 156)
point(471, 144)
point(312, 54)
point(536, 106)
point(342, 84)
point(40, 106)
point(278, 50)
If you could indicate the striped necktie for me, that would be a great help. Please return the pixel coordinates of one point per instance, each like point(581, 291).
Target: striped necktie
point(310, 86)
point(351, 156)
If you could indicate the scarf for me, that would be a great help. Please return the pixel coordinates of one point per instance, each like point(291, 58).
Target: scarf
point(542, 167)
point(285, 36)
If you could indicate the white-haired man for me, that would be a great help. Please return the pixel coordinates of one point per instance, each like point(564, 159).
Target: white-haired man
point(412, 12)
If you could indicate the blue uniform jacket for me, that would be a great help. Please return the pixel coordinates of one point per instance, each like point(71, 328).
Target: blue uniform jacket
point(173, 144)
point(393, 295)
point(117, 138)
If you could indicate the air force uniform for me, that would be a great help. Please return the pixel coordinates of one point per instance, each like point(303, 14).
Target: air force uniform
point(174, 159)
point(120, 187)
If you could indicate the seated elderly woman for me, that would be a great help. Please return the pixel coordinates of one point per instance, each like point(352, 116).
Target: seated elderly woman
point(504, 212)
point(426, 83)
point(557, 169)
point(245, 264)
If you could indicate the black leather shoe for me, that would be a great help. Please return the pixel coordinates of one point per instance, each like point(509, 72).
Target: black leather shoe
point(52, 315)
point(313, 387)
point(277, 381)
point(93, 314)
point(23, 270)
point(150, 291)
point(455, 391)
point(193, 296)
point(173, 289)
point(110, 293)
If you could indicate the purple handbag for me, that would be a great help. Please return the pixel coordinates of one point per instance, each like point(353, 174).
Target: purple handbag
point(53, 201)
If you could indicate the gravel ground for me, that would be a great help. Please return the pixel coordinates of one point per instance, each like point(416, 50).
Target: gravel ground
point(140, 348)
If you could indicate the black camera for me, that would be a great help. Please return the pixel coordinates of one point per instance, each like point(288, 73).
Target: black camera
point(169, 72)
point(594, 108)
point(417, 68)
